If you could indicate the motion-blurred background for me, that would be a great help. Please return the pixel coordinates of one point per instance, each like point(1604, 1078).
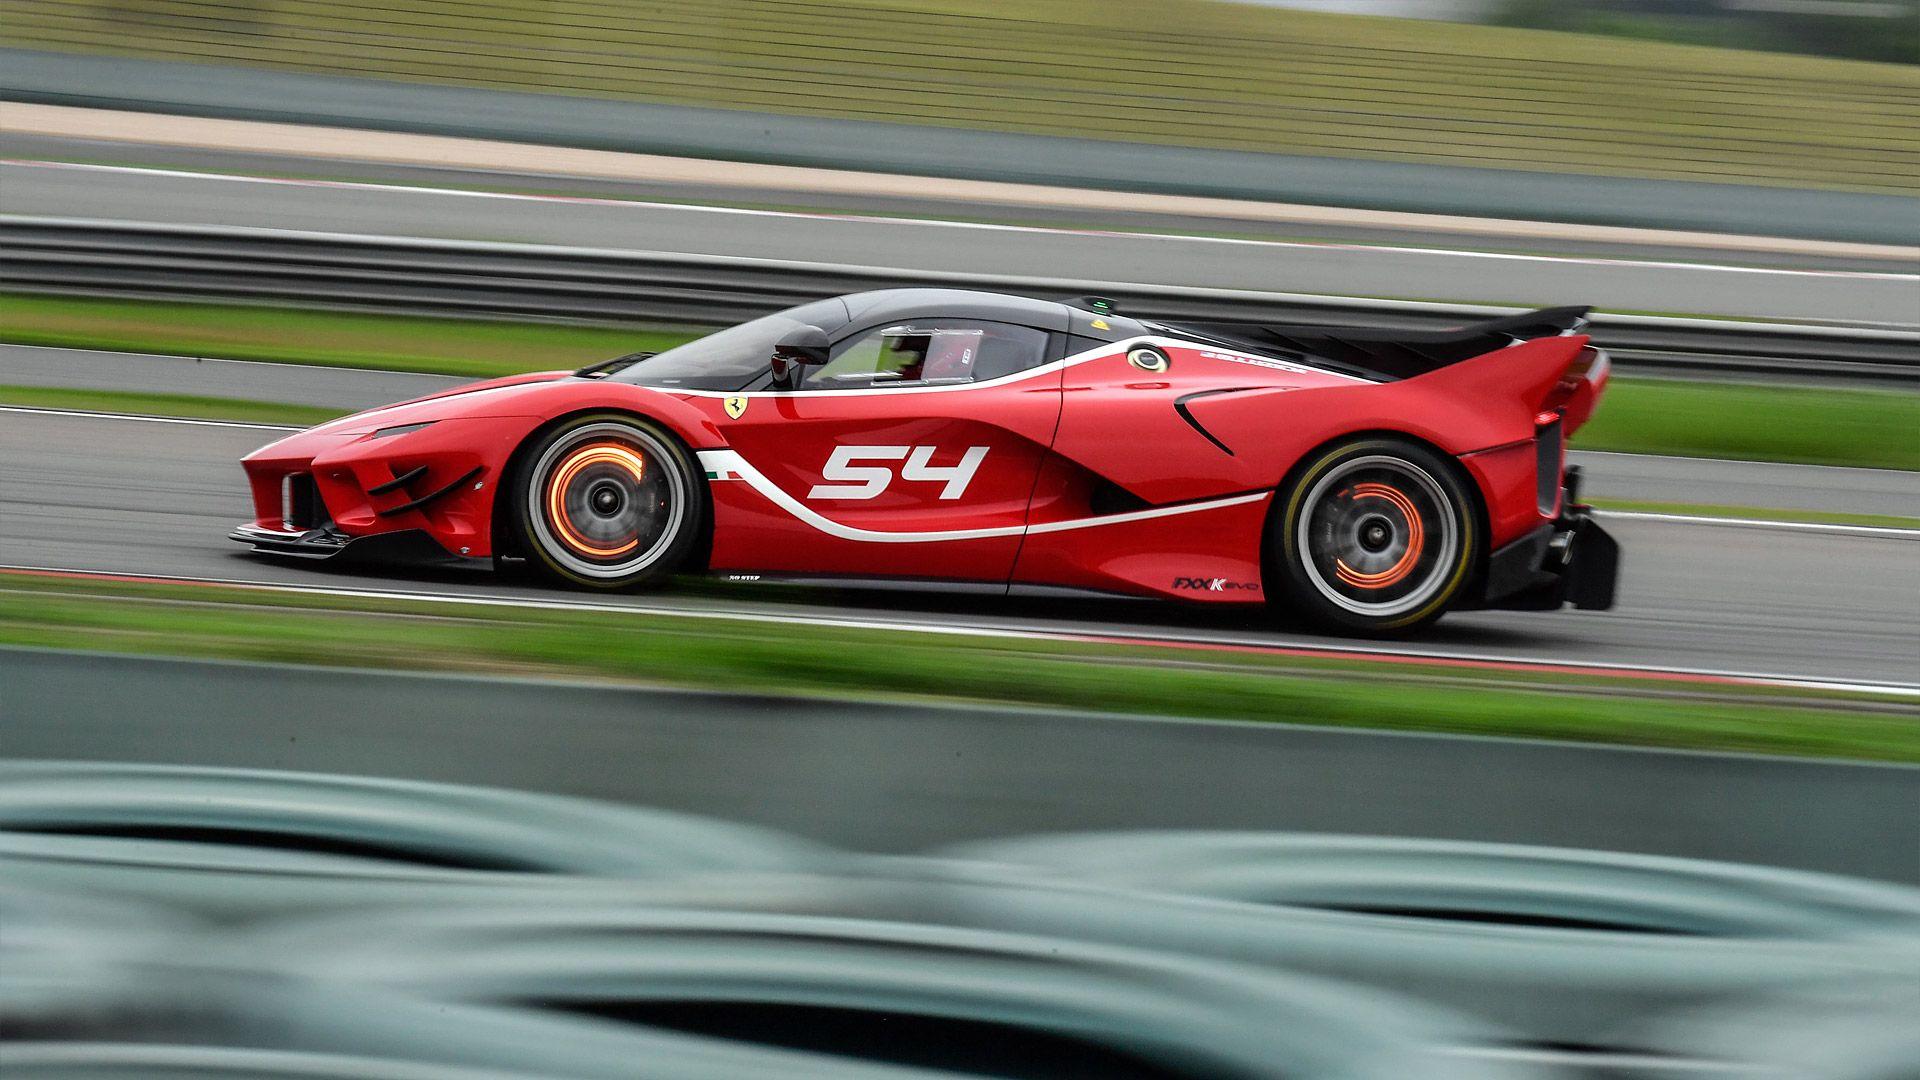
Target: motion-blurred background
point(266, 819)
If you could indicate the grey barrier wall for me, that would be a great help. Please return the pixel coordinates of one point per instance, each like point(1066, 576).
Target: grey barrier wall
point(880, 146)
point(897, 778)
point(548, 281)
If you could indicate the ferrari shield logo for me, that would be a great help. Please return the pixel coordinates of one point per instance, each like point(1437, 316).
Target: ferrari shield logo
point(735, 406)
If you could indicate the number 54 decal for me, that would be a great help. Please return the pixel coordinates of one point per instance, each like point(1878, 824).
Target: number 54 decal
point(868, 481)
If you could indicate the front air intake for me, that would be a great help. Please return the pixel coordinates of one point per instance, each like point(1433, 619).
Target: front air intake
point(300, 505)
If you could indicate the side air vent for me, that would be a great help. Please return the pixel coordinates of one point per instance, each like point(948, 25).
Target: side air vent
point(1110, 498)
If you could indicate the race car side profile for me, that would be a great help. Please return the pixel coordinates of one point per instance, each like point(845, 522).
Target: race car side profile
point(1370, 479)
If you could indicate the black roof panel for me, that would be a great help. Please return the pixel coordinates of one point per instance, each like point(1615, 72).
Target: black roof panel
point(883, 305)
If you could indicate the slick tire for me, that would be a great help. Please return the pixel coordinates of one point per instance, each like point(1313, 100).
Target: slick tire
point(606, 501)
point(1375, 537)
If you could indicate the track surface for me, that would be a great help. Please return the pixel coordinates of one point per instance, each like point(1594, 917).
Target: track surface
point(19, 146)
point(295, 384)
point(122, 194)
point(902, 778)
point(137, 496)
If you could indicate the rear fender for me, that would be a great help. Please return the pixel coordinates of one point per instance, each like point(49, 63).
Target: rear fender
point(1512, 387)
point(1488, 401)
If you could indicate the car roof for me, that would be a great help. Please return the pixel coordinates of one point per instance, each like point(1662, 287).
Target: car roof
point(884, 305)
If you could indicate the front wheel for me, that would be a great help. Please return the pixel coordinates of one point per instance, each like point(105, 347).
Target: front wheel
point(1377, 536)
point(607, 501)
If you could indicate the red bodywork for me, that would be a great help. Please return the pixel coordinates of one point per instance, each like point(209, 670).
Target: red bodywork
point(1097, 474)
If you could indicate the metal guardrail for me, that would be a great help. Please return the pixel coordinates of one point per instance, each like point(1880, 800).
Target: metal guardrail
point(475, 278)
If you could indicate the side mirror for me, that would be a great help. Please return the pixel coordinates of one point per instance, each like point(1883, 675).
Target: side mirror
point(802, 345)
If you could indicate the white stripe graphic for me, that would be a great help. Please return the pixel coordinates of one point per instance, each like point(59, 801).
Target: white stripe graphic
point(730, 462)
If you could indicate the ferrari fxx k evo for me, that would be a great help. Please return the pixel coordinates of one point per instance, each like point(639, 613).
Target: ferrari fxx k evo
point(1369, 479)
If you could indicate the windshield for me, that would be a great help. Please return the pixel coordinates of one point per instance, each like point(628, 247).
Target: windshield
point(732, 358)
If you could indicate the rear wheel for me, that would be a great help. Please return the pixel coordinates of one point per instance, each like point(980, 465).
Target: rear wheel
point(607, 501)
point(1377, 536)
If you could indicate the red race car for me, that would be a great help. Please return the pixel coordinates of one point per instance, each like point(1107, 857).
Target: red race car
point(1370, 479)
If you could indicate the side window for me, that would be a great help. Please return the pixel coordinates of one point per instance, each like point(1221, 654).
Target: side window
point(930, 352)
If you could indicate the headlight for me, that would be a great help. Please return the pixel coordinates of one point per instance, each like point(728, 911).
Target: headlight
point(401, 429)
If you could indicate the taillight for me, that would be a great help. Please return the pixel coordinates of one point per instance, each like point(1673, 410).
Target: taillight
point(1547, 444)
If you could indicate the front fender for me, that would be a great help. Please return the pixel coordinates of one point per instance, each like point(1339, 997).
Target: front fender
point(435, 465)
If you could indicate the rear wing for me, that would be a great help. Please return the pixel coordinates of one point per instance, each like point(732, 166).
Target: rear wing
point(1388, 355)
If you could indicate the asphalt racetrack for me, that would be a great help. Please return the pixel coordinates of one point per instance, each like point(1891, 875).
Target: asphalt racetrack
point(145, 496)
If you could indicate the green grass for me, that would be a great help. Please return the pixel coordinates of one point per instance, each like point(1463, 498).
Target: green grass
point(470, 347)
point(1190, 72)
point(743, 656)
point(1873, 428)
point(180, 405)
point(1812, 425)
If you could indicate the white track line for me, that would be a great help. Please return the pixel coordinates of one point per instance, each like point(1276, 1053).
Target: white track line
point(467, 193)
point(1577, 452)
point(230, 360)
point(1883, 531)
point(949, 628)
point(92, 415)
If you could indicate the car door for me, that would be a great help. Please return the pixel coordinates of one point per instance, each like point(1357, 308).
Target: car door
point(911, 454)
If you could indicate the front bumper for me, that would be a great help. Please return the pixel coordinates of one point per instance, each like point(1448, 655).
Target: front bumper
point(1571, 560)
point(315, 491)
point(326, 542)
point(305, 544)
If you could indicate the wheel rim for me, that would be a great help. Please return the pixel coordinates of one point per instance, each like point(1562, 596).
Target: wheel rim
point(1378, 536)
point(606, 500)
